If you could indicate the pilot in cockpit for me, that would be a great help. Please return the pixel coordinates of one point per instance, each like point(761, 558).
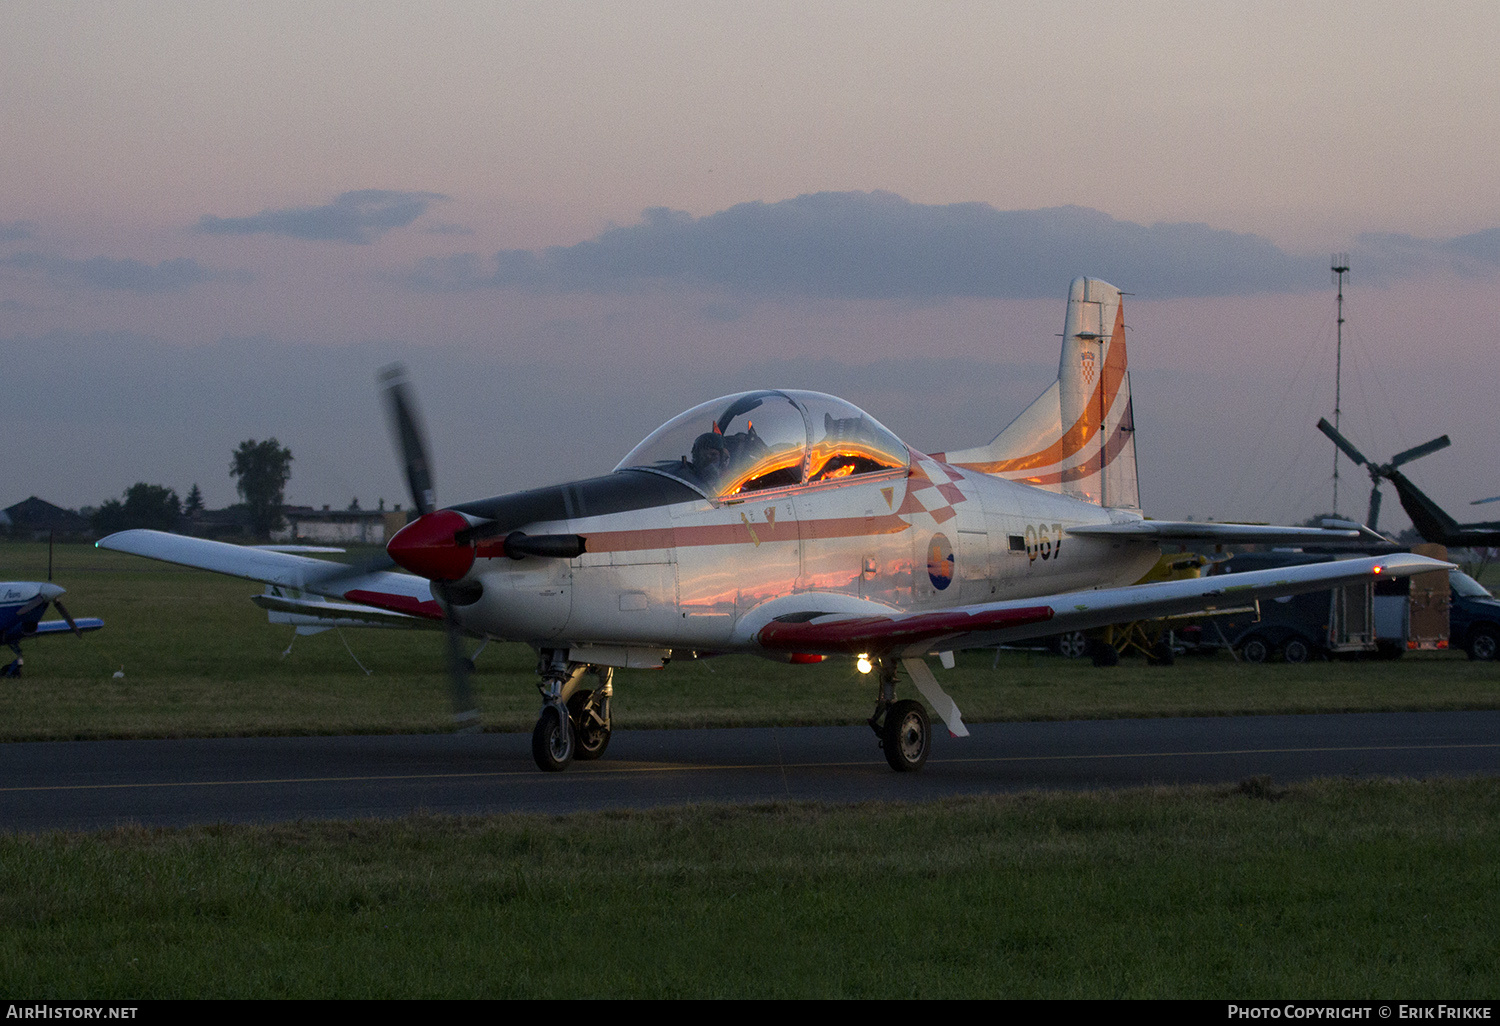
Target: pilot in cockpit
point(710, 457)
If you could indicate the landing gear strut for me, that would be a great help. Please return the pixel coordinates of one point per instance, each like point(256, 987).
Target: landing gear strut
point(575, 721)
point(903, 727)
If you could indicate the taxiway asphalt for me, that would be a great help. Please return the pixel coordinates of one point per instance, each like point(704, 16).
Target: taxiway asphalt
point(84, 785)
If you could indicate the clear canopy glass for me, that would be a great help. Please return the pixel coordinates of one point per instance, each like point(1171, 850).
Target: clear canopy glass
point(755, 441)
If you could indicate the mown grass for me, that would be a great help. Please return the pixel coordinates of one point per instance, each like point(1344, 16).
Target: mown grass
point(1333, 889)
point(200, 660)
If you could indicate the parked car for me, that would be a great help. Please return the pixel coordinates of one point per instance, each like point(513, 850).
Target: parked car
point(1473, 617)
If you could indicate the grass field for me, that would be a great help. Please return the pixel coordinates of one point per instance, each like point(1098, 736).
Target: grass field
point(1334, 889)
point(200, 660)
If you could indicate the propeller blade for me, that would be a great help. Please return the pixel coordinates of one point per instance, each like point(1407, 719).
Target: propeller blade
point(1374, 506)
point(1481, 502)
point(460, 691)
point(1342, 442)
point(411, 440)
point(57, 604)
point(1419, 451)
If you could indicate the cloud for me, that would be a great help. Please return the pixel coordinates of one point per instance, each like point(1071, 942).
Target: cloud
point(358, 217)
point(109, 274)
point(877, 245)
point(856, 245)
point(15, 231)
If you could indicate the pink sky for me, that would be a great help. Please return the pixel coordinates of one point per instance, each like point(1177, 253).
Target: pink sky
point(130, 127)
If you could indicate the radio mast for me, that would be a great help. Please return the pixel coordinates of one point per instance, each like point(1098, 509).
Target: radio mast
point(1340, 267)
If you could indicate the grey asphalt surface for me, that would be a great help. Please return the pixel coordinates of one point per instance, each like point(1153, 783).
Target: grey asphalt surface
point(81, 785)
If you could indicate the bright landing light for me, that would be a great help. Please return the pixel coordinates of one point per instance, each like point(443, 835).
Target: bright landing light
point(863, 664)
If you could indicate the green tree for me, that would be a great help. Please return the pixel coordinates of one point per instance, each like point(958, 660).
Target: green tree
point(194, 501)
point(262, 469)
point(145, 505)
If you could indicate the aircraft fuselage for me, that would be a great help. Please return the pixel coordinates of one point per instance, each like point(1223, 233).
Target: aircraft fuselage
point(680, 572)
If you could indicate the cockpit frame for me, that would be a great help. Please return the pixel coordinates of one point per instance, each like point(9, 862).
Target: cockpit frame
point(805, 440)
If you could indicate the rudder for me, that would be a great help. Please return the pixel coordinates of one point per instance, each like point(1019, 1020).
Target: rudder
point(1078, 437)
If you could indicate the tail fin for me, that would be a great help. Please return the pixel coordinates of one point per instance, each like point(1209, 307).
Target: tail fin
point(1078, 438)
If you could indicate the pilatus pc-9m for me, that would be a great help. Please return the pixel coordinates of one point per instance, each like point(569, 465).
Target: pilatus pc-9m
point(794, 525)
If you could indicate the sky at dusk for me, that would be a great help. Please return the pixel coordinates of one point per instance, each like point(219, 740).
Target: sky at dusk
point(572, 221)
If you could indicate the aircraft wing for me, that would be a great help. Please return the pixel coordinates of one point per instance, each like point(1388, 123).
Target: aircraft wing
point(837, 625)
point(382, 589)
point(302, 610)
point(85, 623)
point(1220, 534)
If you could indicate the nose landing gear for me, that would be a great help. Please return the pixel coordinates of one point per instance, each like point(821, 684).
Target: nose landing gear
point(575, 721)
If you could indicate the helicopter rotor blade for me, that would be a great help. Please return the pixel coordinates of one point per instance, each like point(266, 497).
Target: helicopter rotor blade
point(1342, 442)
point(1418, 451)
point(1374, 517)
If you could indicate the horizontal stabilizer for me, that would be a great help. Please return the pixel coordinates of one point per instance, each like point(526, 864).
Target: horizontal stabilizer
point(1219, 534)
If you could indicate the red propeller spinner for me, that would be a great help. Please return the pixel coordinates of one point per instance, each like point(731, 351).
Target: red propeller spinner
point(426, 547)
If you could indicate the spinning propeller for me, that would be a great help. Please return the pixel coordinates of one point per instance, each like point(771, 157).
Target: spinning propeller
point(411, 445)
point(1378, 471)
point(442, 544)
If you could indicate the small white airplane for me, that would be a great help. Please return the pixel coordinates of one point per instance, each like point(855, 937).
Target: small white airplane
point(793, 525)
point(22, 605)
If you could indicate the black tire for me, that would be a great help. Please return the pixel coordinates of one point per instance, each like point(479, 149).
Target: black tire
point(1161, 654)
point(552, 742)
point(1072, 645)
point(1483, 644)
point(1254, 649)
point(1296, 651)
point(1103, 653)
point(906, 736)
point(591, 738)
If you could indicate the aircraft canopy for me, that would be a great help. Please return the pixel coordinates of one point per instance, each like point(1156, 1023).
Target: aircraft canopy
point(755, 441)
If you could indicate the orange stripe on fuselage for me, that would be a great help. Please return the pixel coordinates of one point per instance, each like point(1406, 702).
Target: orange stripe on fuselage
point(1076, 437)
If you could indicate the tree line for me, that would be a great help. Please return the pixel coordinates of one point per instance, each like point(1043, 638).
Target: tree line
point(260, 469)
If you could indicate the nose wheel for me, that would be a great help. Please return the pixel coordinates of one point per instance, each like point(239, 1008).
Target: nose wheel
point(575, 721)
point(552, 742)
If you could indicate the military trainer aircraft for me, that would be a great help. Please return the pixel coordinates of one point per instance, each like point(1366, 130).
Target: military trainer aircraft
point(22, 604)
point(794, 525)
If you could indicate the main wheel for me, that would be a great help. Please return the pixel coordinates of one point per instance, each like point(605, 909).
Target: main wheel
point(592, 737)
point(1483, 644)
point(552, 740)
point(1073, 645)
point(1161, 654)
point(906, 736)
point(1102, 653)
point(1255, 649)
point(1295, 651)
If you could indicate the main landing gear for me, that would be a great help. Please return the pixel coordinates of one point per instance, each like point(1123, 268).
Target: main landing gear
point(574, 723)
point(13, 668)
point(903, 727)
